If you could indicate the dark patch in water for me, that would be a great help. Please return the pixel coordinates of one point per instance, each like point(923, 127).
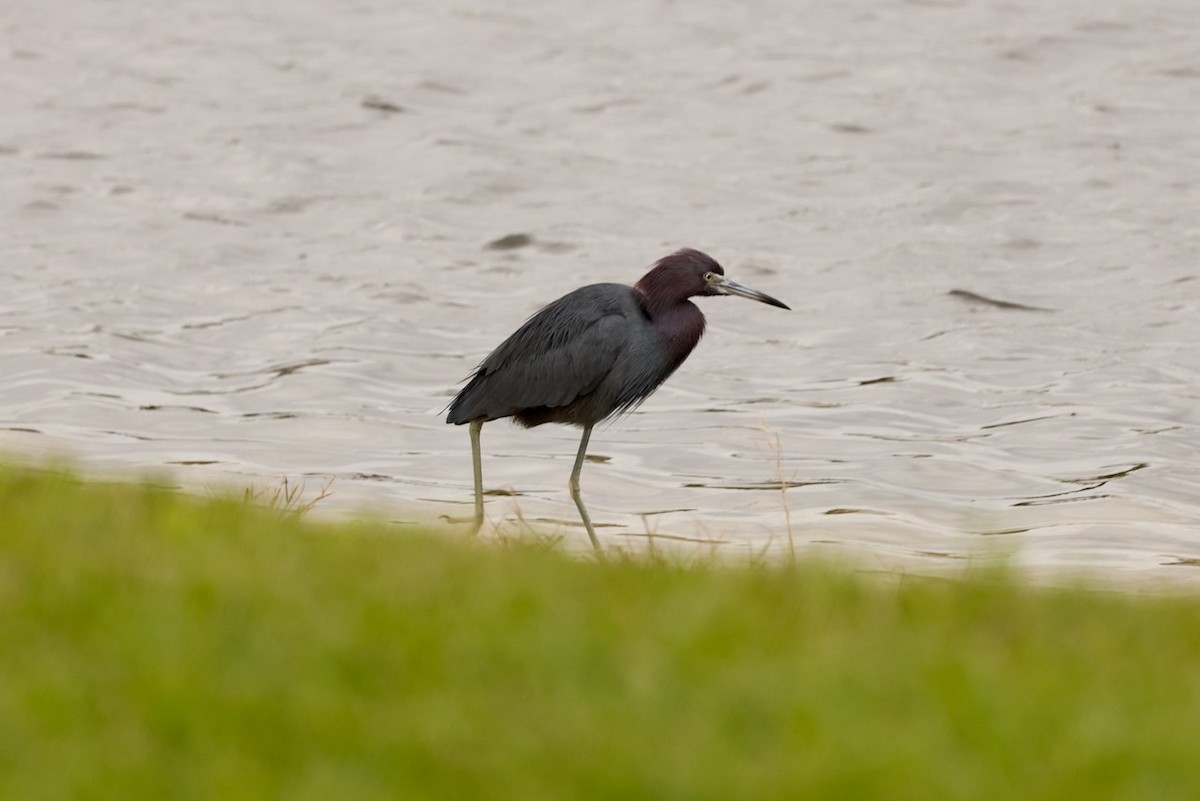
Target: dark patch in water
point(64, 352)
point(237, 319)
point(138, 437)
point(1022, 243)
point(376, 103)
point(765, 485)
point(1019, 422)
point(975, 297)
point(1107, 476)
point(288, 369)
point(154, 407)
point(1155, 430)
point(203, 216)
point(72, 155)
point(510, 242)
point(941, 554)
point(1182, 72)
point(1048, 501)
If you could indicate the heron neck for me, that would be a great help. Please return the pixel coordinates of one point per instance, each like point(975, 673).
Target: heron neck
point(681, 326)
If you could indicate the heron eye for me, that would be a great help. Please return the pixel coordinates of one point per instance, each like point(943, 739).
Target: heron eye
point(709, 278)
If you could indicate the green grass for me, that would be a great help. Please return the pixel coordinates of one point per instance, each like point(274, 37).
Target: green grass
point(158, 646)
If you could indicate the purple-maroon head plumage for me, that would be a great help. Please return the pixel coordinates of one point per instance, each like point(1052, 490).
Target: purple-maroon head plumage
point(664, 292)
point(675, 278)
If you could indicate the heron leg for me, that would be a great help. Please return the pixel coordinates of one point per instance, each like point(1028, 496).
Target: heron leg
point(574, 487)
point(477, 464)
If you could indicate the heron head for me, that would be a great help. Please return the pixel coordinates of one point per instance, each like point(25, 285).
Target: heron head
point(688, 273)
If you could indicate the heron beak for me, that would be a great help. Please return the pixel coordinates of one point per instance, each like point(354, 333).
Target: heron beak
point(724, 286)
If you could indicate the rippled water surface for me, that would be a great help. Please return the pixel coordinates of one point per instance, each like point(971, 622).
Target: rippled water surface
point(243, 242)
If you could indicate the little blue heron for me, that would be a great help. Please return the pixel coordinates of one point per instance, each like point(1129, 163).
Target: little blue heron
point(593, 353)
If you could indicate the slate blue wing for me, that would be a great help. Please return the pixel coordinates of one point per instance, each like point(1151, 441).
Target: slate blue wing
point(562, 354)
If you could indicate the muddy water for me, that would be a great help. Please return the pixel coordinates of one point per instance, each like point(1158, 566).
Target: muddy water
point(247, 242)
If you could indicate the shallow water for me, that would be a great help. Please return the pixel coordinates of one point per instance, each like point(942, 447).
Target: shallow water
point(242, 244)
